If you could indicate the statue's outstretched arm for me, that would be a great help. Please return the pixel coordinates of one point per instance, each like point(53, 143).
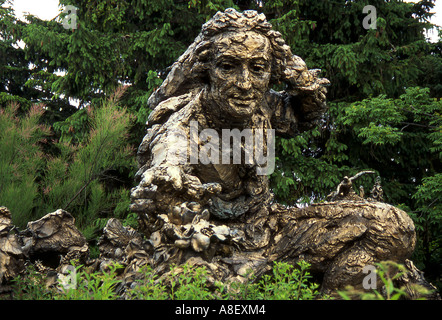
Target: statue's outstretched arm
point(165, 175)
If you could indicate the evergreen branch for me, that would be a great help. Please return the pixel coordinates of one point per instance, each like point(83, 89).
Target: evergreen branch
point(82, 188)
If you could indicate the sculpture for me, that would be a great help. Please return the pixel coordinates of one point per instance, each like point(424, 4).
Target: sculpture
point(222, 82)
point(222, 212)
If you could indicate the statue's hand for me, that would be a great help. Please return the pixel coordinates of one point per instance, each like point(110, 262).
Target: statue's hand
point(302, 81)
point(173, 177)
point(163, 175)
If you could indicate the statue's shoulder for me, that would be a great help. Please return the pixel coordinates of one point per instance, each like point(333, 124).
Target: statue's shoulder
point(187, 103)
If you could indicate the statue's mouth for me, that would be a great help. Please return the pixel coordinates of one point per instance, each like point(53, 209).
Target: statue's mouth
point(242, 101)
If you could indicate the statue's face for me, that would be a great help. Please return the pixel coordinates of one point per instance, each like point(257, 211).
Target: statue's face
point(240, 74)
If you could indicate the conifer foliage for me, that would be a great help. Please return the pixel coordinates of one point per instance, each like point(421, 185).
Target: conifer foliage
point(74, 177)
point(21, 161)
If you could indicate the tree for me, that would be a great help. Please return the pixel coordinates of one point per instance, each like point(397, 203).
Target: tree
point(21, 160)
point(26, 76)
point(34, 183)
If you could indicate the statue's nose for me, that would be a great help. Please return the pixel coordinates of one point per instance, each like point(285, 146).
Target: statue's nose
point(243, 80)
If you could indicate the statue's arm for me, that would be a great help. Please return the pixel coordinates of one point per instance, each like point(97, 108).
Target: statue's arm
point(160, 155)
point(165, 170)
point(302, 103)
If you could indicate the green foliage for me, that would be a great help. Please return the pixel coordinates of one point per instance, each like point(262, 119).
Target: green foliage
point(360, 62)
point(286, 282)
point(77, 178)
point(90, 285)
point(303, 174)
point(289, 283)
point(25, 75)
point(185, 282)
point(388, 272)
point(21, 161)
point(190, 284)
point(150, 287)
point(31, 286)
point(75, 128)
point(428, 221)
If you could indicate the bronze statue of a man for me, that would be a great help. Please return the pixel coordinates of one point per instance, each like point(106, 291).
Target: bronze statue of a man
point(223, 82)
point(220, 209)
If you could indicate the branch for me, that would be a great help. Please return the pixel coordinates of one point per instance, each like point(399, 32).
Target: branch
point(416, 125)
point(360, 174)
point(82, 188)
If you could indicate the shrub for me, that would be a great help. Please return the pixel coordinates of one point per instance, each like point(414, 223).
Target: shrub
point(187, 282)
point(79, 176)
point(75, 180)
point(21, 161)
point(286, 282)
point(99, 285)
point(388, 272)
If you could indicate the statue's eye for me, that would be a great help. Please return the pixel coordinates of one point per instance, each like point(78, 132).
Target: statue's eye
point(258, 68)
point(226, 66)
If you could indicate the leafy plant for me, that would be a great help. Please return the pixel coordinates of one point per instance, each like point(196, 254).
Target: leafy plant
point(31, 285)
point(91, 285)
point(77, 179)
point(21, 161)
point(191, 283)
point(388, 272)
point(186, 282)
point(287, 282)
point(150, 287)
